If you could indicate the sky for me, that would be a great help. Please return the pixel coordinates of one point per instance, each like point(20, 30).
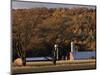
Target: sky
point(23, 4)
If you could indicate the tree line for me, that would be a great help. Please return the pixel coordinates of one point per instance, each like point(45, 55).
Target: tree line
point(36, 30)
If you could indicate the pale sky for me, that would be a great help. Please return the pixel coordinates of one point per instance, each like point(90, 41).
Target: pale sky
point(25, 4)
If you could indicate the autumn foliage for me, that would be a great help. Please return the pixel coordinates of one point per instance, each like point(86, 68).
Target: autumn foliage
point(40, 28)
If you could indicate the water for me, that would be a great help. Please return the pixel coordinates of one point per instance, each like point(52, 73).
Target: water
point(77, 56)
point(84, 55)
point(38, 58)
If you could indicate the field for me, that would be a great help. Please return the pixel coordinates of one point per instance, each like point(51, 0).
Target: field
point(48, 66)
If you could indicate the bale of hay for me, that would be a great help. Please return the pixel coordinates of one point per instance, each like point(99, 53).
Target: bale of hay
point(18, 62)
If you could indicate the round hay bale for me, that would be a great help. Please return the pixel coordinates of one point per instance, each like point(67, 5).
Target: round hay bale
point(18, 62)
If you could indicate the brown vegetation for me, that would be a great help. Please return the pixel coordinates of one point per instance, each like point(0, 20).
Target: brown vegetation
point(40, 28)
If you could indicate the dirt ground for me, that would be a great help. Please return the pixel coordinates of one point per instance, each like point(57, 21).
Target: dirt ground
point(48, 66)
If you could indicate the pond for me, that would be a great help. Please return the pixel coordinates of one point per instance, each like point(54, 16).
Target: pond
point(84, 55)
point(77, 56)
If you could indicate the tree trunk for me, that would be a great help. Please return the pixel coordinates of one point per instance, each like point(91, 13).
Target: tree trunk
point(24, 61)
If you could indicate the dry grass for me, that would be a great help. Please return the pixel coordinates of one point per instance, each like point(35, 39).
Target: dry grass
point(60, 66)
